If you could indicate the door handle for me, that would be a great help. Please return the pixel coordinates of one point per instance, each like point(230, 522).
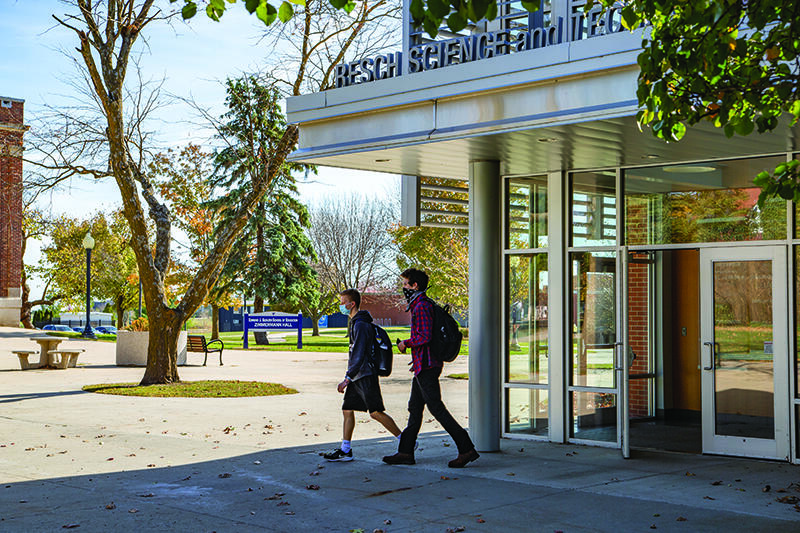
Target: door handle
point(617, 345)
point(713, 355)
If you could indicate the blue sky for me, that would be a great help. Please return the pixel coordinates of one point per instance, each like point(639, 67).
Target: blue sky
point(194, 59)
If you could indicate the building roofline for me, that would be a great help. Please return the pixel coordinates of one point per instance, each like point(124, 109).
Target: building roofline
point(20, 100)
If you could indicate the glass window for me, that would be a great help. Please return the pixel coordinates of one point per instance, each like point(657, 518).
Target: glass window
point(594, 416)
point(527, 411)
point(594, 209)
point(708, 202)
point(527, 319)
point(593, 320)
point(527, 213)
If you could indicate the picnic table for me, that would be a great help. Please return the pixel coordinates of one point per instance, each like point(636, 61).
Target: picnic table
point(47, 343)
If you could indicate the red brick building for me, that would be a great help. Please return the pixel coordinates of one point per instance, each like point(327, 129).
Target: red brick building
point(12, 129)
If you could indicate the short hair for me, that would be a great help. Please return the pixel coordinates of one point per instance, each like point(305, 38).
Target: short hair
point(354, 296)
point(414, 275)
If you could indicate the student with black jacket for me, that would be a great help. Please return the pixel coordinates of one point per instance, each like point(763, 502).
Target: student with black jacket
point(360, 386)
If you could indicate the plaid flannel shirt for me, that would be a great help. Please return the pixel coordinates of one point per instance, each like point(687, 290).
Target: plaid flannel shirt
point(421, 334)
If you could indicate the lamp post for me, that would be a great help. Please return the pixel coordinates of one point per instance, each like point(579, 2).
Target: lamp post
point(88, 244)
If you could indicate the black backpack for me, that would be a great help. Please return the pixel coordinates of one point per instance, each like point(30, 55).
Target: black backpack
point(382, 352)
point(446, 340)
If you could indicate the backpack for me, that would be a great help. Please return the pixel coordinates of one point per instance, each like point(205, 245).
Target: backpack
point(382, 352)
point(446, 337)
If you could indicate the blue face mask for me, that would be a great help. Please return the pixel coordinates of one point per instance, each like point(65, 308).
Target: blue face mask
point(343, 309)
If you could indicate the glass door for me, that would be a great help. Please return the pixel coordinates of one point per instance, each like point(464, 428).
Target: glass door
point(745, 352)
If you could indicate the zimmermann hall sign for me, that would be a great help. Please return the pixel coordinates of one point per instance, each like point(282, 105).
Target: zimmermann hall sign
point(477, 46)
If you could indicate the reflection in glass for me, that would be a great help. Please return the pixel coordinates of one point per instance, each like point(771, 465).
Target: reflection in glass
point(593, 318)
point(594, 416)
point(710, 202)
point(594, 209)
point(743, 370)
point(527, 411)
point(527, 213)
point(527, 300)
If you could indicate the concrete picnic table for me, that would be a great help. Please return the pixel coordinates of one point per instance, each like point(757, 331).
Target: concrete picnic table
point(47, 344)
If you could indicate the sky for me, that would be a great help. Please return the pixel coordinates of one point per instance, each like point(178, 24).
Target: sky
point(194, 59)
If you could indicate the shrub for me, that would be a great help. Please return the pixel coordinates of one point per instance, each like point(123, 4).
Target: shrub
point(140, 324)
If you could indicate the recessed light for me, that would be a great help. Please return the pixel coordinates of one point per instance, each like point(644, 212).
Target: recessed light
point(382, 160)
point(650, 156)
point(547, 140)
point(689, 169)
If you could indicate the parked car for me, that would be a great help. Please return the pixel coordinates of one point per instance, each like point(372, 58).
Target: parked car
point(109, 330)
point(81, 329)
point(56, 327)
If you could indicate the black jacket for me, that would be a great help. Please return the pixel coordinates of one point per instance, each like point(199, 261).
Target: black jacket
point(362, 337)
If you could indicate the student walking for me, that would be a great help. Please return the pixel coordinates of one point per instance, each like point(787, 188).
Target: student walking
point(425, 384)
point(360, 386)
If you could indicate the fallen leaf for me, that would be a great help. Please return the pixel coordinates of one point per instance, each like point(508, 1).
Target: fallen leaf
point(387, 522)
point(110, 459)
point(256, 462)
point(480, 520)
point(653, 526)
point(133, 510)
point(444, 477)
point(708, 498)
point(70, 526)
point(680, 519)
point(111, 506)
point(314, 473)
point(228, 429)
point(289, 512)
point(282, 504)
point(689, 474)
point(302, 414)
point(766, 488)
point(312, 487)
point(151, 465)
point(456, 529)
point(224, 476)
point(716, 483)
point(790, 499)
point(510, 474)
point(148, 495)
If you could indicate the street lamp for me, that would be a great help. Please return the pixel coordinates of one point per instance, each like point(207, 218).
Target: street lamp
point(88, 244)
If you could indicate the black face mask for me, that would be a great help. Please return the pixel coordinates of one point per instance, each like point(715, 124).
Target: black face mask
point(408, 293)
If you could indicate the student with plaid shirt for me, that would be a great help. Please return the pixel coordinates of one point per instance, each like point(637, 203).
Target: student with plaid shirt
point(425, 384)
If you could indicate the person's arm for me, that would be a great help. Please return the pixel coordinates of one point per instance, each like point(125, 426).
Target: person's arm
point(422, 330)
point(359, 348)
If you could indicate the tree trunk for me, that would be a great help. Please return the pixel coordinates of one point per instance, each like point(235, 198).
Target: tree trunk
point(120, 312)
point(162, 349)
point(25, 310)
point(258, 307)
point(214, 321)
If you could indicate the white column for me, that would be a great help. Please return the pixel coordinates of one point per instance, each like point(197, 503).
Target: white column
point(557, 308)
point(485, 304)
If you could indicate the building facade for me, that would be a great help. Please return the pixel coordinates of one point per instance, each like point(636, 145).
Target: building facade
point(624, 291)
point(12, 129)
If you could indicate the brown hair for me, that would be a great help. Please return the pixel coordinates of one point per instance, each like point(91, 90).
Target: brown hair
point(354, 296)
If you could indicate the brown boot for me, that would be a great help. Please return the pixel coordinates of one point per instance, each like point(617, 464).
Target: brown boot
point(464, 458)
point(400, 459)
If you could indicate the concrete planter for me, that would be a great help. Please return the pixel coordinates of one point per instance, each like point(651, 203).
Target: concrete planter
point(132, 348)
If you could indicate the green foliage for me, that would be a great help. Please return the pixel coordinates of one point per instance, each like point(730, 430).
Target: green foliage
point(271, 257)
point(139, 324)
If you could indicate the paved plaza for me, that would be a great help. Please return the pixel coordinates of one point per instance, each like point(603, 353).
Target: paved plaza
point(90, 462)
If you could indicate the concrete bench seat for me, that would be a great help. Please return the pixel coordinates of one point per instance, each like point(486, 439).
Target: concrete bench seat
point(23, 358)
point(67, 357)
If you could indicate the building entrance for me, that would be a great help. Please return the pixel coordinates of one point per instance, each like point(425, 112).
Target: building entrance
point(707, 351)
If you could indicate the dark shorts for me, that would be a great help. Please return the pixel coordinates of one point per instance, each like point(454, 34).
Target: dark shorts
point(363, 395)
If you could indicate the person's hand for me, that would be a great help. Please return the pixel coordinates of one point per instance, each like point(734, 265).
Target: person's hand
point(342, 385)
point(401, 346)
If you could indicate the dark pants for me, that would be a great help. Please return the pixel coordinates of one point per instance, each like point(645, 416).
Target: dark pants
point(425, 391)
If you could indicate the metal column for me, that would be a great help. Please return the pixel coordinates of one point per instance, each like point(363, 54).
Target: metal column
point(485, 304)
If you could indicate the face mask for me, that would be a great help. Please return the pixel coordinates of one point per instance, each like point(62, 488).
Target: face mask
point(408, 293)
point(343, 309)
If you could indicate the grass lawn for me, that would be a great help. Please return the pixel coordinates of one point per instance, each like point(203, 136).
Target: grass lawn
point(329, 340)
point(75, 335)
point(193, 389)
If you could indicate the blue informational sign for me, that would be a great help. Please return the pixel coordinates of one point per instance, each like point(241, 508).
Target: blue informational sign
point(323, 321)
point(273, 321)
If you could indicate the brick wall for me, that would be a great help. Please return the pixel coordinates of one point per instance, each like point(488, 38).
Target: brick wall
point(11, 132)
point(638, 336)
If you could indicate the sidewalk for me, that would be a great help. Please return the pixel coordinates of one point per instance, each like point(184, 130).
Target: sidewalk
point(96, 462)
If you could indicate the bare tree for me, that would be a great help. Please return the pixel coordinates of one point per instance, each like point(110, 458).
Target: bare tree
point(354, 248)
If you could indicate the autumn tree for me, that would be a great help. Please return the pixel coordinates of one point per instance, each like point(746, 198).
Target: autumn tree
point(35, 226)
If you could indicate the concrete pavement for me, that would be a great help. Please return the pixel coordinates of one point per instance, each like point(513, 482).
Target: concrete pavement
point(91, 462)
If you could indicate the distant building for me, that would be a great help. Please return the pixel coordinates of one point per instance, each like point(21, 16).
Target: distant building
point(12, 129)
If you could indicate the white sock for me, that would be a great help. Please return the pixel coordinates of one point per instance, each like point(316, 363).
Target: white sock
point(345, 446)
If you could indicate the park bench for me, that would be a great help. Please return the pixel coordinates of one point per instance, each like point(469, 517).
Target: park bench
point(197, 343)
point(23, 358)
point(67, 357)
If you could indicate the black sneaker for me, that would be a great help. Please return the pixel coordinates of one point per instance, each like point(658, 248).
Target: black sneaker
point(338, 455)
